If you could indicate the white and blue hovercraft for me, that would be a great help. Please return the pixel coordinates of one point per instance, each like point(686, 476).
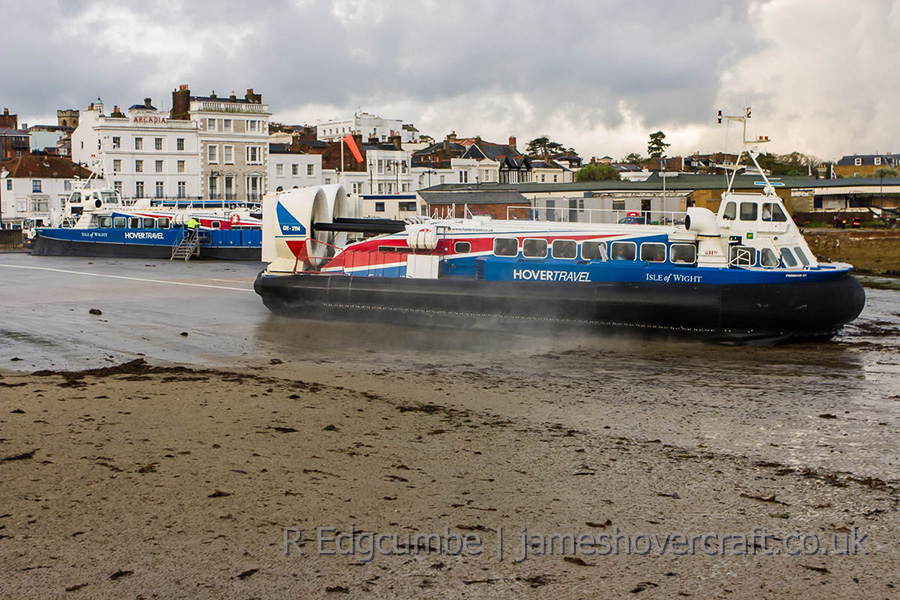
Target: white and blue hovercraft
point(744, 275)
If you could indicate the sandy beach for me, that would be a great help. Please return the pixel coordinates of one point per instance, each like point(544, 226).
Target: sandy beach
point(730, 472)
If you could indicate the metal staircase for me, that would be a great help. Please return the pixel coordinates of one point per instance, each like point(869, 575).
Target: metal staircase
point(188, 246)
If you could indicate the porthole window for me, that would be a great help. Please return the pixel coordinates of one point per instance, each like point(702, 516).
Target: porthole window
point(534, 248)
point(623, 250)
point(593, 250)
point(462, 247)
point(217, 224)
point(506, 246)
point(683, 253)
point(653, 252)
point(565, 249)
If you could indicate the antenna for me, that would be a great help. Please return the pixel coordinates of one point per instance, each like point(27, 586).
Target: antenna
point(751, 152)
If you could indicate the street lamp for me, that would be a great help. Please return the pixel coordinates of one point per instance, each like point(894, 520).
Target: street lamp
point(3, 175)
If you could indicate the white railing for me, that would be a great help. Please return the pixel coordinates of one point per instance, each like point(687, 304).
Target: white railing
point(232, 107)
point(594, 215)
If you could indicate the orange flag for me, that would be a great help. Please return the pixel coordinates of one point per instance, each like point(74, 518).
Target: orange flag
point(348, 139)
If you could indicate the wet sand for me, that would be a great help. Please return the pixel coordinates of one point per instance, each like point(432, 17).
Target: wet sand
point(161, 480)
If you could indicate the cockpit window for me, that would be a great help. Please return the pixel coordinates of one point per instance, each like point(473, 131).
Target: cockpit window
point(773, 212)
point(767, 258)
point(802, 256)
point(730, 211)
point(788, 257)
point(748, 211)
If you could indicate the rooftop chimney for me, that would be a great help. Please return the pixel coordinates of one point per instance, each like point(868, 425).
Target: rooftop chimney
point(181, 103)
point(512, 141)
point(148, 103)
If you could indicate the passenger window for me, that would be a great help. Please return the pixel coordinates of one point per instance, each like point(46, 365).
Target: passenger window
point(462, 247)
point(162, 223)
point(119, 222)
point(593, 251)
point(134, 223)
point(767, 258)
point(534, 248)
point(76, 197)
point(105, 222)
point(802, 256)
point(742, 256)
point(623, 250)
point(748, 211)
point(506, 247)
point(653, 252)
point(788, 257)
point(683, 253)
point(149, 223)
point(730, 211)
point(565, 249)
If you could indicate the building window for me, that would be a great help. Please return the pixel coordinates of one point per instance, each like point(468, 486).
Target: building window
point(138, 143)
point(254, 155)
point(279, 170)
point(408, 206)
point(40, 204)
point(138, 166)
point(228, 154)
point(139, 189)
point(117, 165)
point(210, 124)
point(357, 188)
point(35, 186)
point(181, 189)
point(9, 185)
point(116, 142)
point(379, 207)
point(157, 143)
point(380, 188)
point(877, 160)
point(464, 177)
point(159, 166)
point(117, 185)
point(213, 188)
point(857, 161)
point(159, 189)
point(311, 170)
point(253, 126)
point(295, 170)
point(226, 125)
point(181, 166)
point(381, 166)
point(179, 144)
point(213, 153)
point(229, 187)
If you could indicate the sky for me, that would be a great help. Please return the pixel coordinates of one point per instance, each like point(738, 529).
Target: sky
point(595, 75)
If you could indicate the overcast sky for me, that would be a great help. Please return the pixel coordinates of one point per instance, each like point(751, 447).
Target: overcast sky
point(597, 75)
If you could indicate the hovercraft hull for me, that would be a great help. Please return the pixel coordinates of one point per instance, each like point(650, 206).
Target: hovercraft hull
point(737, 313)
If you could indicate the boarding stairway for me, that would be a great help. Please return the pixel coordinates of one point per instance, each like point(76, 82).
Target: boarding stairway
point(188, 247)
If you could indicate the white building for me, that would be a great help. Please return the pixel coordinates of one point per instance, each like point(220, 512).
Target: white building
point(289, 169)
point(368, 126)
point(144, 153)
point(36, 188)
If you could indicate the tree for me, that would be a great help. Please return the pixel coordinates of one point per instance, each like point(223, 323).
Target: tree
point(597, 172)
point(657, 145)
point(426, 139)
point(543, 147)
point(275, 127)
point(885, 172)
point(633, 159)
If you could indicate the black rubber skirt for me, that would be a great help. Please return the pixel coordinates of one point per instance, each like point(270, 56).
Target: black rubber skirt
point(736, 313)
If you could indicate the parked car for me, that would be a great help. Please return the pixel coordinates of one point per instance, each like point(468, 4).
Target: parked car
point(633, 220)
